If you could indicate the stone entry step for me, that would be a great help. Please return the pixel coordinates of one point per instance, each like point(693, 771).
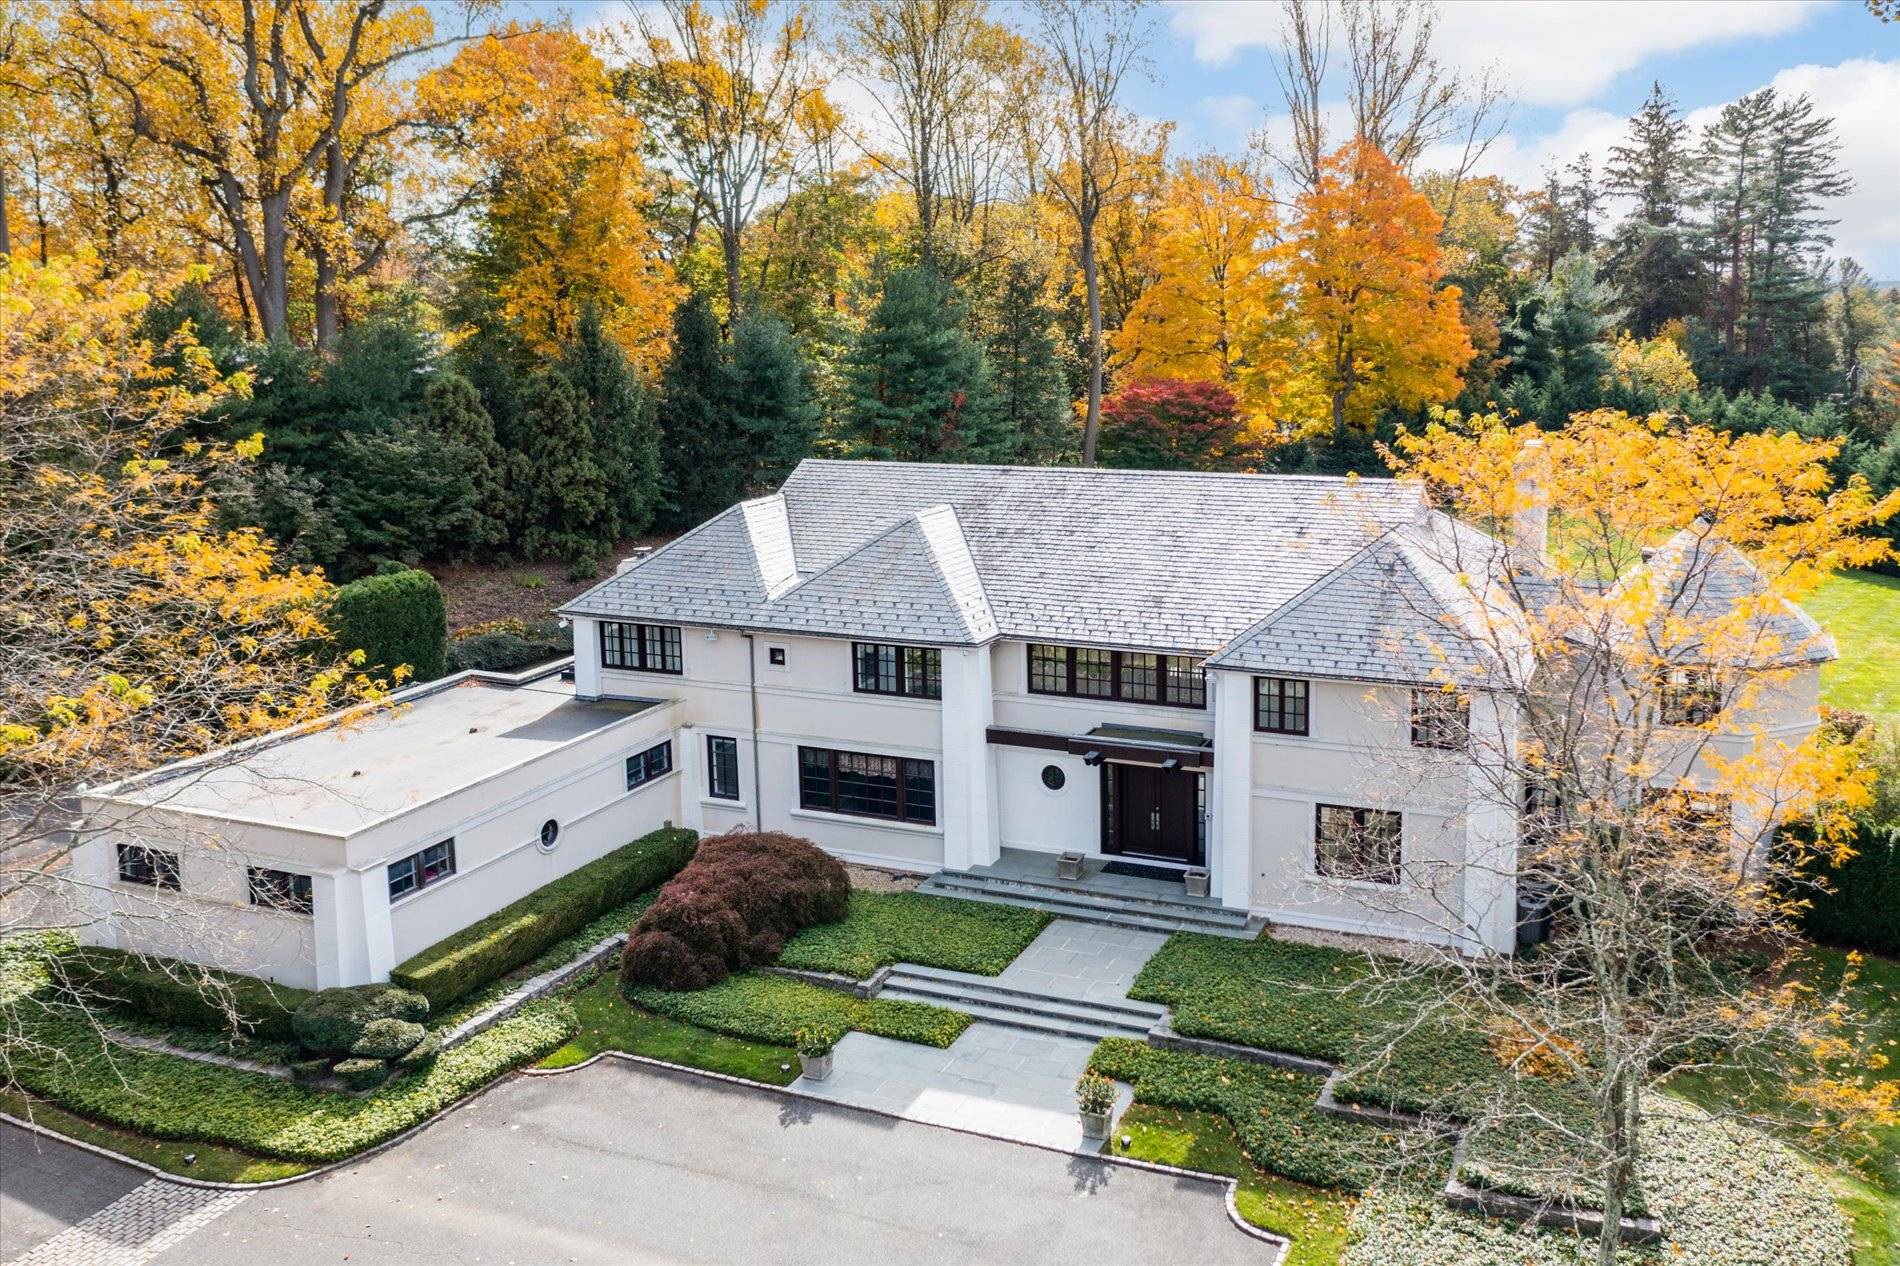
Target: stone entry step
point(1145, 913)
point(1021, 1009)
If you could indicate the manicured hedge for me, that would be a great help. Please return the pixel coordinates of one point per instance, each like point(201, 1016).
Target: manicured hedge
point(516, 933)
point(772, 1009)
point(398, 618)
point(732, 907)
point(333, 1021)
point(881, 928)
point(176, 1098)
point(183, 993)
point(1863, 910)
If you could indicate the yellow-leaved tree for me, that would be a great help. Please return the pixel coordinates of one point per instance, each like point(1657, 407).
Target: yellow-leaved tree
point(1376, 328)
point(139, 630)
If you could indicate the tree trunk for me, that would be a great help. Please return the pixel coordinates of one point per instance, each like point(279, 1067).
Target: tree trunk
point(273, 294)
point(729, 242)
point(1620, 1136)
point(6, 240)
point(1091, 280)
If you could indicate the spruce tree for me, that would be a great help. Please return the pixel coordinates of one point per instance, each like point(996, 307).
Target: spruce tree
point(1032, 396)
point(626, 428)
point(771, 408)
point(555, 477)
point(704, 455)
point(452, 412)
point(917, 387)
point(1652, 258)
point(1558, 343)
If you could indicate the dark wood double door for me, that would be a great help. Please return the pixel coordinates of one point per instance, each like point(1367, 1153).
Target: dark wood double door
point(1153, 813)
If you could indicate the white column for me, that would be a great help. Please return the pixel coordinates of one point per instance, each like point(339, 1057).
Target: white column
point(379, 933)
point(87, 892)
point(689, 751)
point(342, 953)
point(586, 658)
point(966, 796)
point(1230, 834)
point(1490, 870)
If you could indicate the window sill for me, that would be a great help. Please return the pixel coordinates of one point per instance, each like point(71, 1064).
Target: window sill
point(877, 824)
point(720, 802)
point(1358, 885)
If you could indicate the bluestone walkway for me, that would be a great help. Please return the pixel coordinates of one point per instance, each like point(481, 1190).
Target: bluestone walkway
point(994, 1079)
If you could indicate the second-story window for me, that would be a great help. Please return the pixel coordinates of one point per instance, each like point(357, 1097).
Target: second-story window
point(880, 668)
point(645, 648)
point(1441, 719)
point(1280, 705)
point(1174, 681)
point(1689, 696)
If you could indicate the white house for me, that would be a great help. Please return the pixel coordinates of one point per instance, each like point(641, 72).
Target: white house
point(940, 668)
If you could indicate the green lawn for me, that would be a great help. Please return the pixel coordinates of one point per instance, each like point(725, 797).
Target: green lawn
point(1312, 1217)
point(882, 928)
point(608, 1022)
point(772, 1009)
point(1862, 611)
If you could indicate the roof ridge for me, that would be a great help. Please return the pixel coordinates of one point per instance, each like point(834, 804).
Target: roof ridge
point(1105, 471)
point(976, 572)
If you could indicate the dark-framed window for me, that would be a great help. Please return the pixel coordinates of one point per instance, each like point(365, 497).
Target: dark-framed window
point(867, 786)
point(722, 767)
point(418, 870)
point(882, 668)
point(1354, 843)
point(1702, 817)
point(644, 767)
point(281, 890)
point(1173, 681)
point(1281, 705)
point(1689, 696)
point(644, 648)
point(153, 867)
point(1441, 719)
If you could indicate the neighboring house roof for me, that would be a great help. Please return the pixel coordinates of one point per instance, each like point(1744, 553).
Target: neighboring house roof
point(1161, 560)
point(1699, 582)
point(1420, 604)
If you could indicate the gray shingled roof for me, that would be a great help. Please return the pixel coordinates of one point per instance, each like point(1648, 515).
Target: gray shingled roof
point(1159, 560)
point(1700, 578)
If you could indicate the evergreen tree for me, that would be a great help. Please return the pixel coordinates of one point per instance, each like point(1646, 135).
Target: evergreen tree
point(705, 462)
point(452, 412)
point(555, 478)
point(771, 408)
point(917, 387)
point(1032, 396)
point(626, 426)
point(1652, 258)
point(1558, 343)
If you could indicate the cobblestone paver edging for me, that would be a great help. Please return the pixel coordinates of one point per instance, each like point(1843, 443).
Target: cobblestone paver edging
point(162, 1047)
point(135, 1228)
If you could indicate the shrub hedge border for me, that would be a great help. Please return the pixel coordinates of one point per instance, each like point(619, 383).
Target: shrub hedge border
point(141, 984)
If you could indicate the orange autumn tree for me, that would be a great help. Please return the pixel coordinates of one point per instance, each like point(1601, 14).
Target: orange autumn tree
point(1377, 330)
point(532, 121)
point(1626, 695)
point(140, 630)
point(1216, 310)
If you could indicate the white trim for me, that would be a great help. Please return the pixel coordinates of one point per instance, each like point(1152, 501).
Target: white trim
point(909, 865)
point(869, 823)
point(1393, 931)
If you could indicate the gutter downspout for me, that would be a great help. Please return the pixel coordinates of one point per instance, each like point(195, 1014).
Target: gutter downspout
point(752, 689)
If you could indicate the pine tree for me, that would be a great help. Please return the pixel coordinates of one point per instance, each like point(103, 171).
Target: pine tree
point(1032, 395)
point(917, 387)
point(771, 408)
point(452, 412)
point(555, 477)
point(704, 457)
point(1558, 343)
point(626, 426)
point(1652, 258)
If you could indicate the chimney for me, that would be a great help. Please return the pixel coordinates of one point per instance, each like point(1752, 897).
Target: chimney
point(1530, 520)
point(639, 555)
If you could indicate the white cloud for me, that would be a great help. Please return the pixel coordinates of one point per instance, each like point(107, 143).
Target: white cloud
point(1554, 52)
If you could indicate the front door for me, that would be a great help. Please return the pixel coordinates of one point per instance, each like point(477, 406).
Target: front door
point(1151, 812)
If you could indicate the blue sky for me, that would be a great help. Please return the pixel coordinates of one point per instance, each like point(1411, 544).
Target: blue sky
point(1577, 69)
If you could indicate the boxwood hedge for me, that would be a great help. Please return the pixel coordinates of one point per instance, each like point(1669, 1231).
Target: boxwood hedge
point(516, 933)
point(881, 928)
point(180, 993)
point(772, 1009)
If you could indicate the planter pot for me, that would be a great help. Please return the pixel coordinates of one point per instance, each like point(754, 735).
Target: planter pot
point(1095, 1125)
point(1195, 881)
point(815, 1067)
point(1069, 866)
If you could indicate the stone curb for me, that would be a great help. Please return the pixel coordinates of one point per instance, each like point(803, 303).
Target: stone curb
point(159, 1046)
point(1163, 1036)
point(838, 981)
point(1557, 1215)
point(534, 987)
point(1282, 1245)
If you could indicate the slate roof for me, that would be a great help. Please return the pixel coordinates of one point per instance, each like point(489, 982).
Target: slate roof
point(1155, 560)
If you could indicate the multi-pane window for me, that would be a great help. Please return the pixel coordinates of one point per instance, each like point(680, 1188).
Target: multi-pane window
point(1686, 815)
point(880, 668)
point(1441, 719)
point(1351, 843)
point(418, 870)
point(867, 786)
point(281, 890)
point(644, 767)
point(153, 867)
point(722, 767)
point(1280, 705)
point(1176, 681)
point(1689, 697)
point(646, 648)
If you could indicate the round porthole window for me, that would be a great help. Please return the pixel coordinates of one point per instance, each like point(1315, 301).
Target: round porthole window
point(550, 832)
point(1053, 778)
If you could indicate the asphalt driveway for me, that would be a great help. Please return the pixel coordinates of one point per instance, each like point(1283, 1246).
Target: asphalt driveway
point(46, 1186)
point(625, 1163)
